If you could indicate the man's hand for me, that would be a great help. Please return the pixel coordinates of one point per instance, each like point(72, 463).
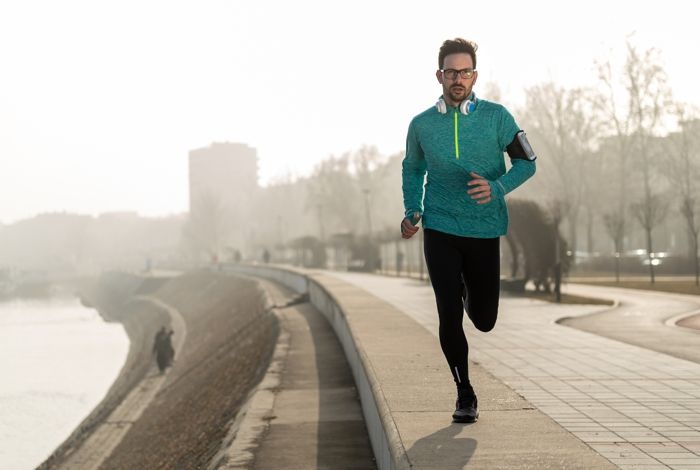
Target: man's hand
point(481, 189)
point(407, 228)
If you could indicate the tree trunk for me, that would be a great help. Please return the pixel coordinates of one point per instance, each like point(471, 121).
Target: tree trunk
point(649, 255)
point(573, 236)
point(617, 268)
point(695, 257)
point(589, 231)
point(557, 262)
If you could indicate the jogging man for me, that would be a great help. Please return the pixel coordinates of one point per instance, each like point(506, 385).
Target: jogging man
point(460, 143)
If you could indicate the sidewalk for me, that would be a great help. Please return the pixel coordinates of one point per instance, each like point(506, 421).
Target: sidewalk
point(638, 408)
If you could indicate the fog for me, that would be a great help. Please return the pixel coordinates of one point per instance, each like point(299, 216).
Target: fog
point(618, 159)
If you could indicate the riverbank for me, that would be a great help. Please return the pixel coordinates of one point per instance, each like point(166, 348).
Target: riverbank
point(230, 337)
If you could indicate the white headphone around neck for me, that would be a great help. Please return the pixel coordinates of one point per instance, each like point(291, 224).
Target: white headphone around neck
point(465, 107)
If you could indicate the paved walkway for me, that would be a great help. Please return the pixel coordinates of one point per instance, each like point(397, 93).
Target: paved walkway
point(638, 408)
point(644, 318)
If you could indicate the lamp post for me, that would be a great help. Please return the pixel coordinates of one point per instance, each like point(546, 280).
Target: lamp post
point(319, 208)
point(367, 212)
point(371, 261)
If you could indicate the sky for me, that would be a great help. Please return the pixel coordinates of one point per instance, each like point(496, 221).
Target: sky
point(100, 102)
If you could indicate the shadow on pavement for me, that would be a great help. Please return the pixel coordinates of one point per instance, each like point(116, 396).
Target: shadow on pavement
point(343, 441)
point(443, 446)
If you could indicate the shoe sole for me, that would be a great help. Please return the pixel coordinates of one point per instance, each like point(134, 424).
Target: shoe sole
point(465, 420)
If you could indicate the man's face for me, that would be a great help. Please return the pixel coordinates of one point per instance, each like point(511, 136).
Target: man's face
point(457, 89)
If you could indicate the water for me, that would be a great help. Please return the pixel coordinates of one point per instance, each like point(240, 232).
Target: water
point(57, 361)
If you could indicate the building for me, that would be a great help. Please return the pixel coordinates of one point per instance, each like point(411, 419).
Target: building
point(226, 171)
point(223, 181)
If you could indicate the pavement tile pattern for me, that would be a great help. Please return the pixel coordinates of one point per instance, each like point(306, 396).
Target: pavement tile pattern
point(638, 408)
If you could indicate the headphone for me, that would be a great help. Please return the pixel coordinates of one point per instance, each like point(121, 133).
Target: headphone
point(465, 107)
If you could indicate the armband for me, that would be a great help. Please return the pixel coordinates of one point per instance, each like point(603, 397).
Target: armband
point(520, 148)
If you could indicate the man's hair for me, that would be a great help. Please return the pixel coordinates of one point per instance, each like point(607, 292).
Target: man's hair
point(456, 46)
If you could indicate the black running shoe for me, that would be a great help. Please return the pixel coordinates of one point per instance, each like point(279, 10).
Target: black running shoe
point(466, 410)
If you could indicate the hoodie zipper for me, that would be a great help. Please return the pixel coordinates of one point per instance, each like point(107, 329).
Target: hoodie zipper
point(456, 137)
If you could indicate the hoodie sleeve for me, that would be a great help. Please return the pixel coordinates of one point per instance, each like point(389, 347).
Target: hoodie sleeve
point(521, 170)
point(413, 171)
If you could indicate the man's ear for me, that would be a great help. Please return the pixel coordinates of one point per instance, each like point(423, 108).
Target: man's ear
point(438, 75)
point(476, 75)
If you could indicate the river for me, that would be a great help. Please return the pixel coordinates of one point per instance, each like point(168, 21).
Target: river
point(57, 361)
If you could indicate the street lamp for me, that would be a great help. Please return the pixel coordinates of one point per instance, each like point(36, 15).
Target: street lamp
point(367, 212)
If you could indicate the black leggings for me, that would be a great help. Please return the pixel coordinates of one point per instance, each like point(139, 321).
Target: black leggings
point(476, 260)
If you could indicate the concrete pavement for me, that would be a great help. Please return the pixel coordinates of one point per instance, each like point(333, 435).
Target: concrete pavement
point(408, 394)
point(638, 408)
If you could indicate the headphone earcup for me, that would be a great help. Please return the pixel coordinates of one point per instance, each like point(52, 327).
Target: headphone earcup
point(467, 107)
point(440, 106)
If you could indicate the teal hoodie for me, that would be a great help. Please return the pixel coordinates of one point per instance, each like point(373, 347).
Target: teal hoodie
point(448, 147)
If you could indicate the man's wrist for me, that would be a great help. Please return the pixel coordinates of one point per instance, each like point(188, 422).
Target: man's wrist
point(413, 216)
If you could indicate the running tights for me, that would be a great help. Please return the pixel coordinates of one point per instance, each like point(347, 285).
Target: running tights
point(451, 259)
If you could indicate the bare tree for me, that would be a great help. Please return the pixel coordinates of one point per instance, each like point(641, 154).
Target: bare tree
point(683, 170)
point(648, 95)
point(365, 162)
point(649, 213)
point(331, 197)
point(617, 124)
point(565, 126)
point(615, 226)
point(284, 212)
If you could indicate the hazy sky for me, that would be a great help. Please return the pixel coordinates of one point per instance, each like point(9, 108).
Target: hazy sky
point(100, 102)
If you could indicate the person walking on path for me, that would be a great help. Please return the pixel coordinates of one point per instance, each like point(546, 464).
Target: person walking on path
point(163, 349)
point(459, 144)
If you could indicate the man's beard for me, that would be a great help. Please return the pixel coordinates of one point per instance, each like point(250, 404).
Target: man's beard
point(461, 95)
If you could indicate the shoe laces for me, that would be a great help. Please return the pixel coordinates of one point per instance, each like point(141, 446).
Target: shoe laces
point(465, 397)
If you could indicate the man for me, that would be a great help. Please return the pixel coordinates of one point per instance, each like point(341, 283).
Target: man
point(459, 143)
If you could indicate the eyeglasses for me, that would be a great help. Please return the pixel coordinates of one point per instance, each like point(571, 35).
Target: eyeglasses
point(451, 74)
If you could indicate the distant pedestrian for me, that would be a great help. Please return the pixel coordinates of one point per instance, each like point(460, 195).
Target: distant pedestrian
point(159, 339)
point(266, 256)
point(163, 349)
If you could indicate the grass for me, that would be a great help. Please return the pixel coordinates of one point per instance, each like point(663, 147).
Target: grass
point(565, 298)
